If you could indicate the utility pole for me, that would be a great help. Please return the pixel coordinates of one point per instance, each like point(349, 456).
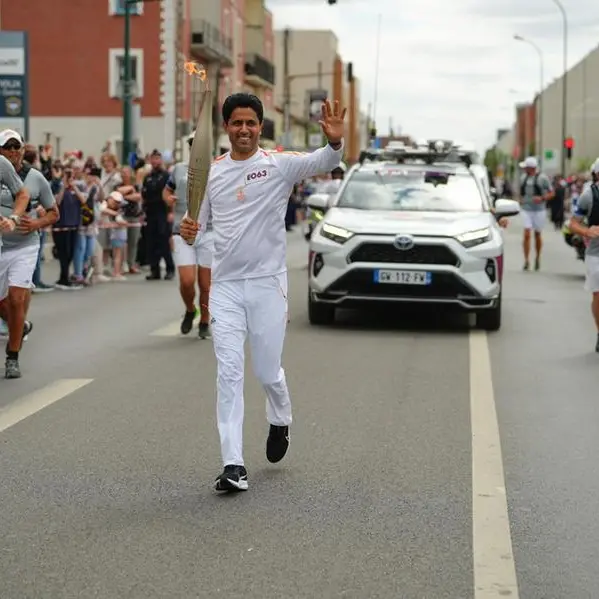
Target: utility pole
point(352, 152)
point(128, 146)
point(319, 75)
point(179, 85)
point(127, 96)
point(287, 89)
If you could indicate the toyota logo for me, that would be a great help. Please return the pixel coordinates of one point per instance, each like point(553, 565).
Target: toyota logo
point(404, 242)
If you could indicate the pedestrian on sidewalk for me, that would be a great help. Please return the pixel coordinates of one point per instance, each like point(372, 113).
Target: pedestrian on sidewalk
point(535, 192)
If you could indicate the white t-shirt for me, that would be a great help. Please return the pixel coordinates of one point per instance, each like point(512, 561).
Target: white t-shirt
point(247, 201)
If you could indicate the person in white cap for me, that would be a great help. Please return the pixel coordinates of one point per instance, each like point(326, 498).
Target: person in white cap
point(20, 250)
point(11, 141)
point(585, 222)
point(194, 262)
point(535, 191)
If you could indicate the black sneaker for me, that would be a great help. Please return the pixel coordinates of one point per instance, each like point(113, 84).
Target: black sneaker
point(526, 266)
point(233, 479)
point(187, 322)
point(538, 264)
point(277, 443)
point(597, 345)
point(12, 369)
point(204, 330)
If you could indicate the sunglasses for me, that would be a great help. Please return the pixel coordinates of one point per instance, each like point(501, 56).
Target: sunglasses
point(12, 145)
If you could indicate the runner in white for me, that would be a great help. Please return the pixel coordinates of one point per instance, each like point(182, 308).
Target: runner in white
point(20, 251)
point(193, 261)
point(10, 142)
point(246, 199)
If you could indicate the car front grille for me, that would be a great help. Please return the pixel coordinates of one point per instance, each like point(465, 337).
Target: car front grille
point(419, 254)
point(361, 282)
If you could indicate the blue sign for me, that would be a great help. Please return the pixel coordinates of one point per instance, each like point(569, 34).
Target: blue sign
point(12, 96)
point(14, 88)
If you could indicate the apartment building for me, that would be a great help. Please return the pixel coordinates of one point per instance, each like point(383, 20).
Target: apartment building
point(217, 43)
point(88, 59)
point(315, 71)
point(259, 75)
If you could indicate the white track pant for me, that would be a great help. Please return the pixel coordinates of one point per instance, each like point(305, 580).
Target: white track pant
point(256, 308)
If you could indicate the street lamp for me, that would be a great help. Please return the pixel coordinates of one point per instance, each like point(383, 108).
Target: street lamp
point(564, 85)
point(127, 87)
point(540, 111)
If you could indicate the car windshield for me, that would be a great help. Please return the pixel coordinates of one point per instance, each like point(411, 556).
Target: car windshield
point(413, 191)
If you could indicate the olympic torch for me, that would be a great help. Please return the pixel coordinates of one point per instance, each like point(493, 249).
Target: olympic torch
point(200, 156)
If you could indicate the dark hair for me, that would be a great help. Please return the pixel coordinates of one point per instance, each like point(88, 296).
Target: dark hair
point(30, 154)
point(242, 100)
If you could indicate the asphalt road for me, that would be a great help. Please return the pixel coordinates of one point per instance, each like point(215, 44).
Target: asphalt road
point(394, 484)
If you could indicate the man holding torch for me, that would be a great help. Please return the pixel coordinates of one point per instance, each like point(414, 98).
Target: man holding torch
point(246, 200)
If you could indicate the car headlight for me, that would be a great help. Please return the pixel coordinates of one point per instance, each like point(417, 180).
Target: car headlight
point(336, 234)
point(474, 238)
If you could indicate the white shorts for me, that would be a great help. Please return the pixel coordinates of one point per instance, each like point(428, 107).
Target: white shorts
point(17, 267)
point(533, 219)
point(592, 281)
point(198, 254)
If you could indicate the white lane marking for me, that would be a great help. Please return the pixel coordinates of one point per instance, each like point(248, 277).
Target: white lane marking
point(494, 567)
point(170, 330)
point(26, 406)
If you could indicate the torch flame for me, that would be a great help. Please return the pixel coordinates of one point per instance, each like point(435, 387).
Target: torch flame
point(195, 69)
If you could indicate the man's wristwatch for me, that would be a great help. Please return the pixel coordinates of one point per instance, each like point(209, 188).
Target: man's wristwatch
point(16, 219)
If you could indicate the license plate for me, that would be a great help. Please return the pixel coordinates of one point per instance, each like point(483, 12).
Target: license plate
point(403, 277)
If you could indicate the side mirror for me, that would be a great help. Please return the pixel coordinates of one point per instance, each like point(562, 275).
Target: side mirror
point(504, 208)
point(318, 201)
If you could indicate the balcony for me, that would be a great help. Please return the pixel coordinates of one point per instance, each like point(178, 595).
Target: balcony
point(258, 71)
point(210, 45)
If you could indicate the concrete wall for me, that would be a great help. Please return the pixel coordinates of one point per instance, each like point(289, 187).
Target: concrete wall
point(89, 134)
point(209, 10)
point(582, 114)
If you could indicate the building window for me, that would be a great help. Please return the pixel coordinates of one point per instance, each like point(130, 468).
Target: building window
point(116, 72)
point(268, 129)
point(117, 7)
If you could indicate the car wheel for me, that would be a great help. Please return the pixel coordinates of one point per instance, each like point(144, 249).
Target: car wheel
point(490, 320)
point(320, 314)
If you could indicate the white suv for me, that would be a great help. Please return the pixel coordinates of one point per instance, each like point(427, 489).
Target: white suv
point(420, 228)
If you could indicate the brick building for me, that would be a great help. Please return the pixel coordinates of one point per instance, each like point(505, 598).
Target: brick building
point(75, 95)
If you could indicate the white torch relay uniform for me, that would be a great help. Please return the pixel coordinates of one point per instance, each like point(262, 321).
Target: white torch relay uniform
point(246, 201)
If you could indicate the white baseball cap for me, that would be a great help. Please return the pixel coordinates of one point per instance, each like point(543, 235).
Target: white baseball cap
point(530, 162)
point(595, 167)
point(118, 196)
point(7, 134)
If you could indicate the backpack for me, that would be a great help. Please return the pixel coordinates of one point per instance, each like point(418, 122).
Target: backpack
point(87, 210)
point(537, 187)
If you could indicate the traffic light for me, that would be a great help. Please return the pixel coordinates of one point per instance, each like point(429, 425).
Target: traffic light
point(569, 145)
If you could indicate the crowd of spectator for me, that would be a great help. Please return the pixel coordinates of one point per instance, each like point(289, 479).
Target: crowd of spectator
point(101, 234)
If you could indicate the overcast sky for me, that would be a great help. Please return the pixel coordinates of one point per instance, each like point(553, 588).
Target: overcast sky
point(449, 68)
